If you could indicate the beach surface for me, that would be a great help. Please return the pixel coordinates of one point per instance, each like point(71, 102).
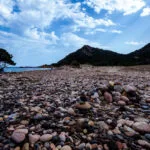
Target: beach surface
point(99, 108)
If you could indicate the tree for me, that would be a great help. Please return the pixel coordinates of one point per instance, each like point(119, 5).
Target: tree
point(5, 58)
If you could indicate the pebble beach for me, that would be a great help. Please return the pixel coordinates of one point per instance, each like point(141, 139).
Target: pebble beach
point(87, 108)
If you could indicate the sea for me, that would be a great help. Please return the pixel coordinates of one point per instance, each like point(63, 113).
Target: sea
point(19, 69)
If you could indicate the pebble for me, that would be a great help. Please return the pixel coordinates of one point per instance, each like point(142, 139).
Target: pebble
point(81, 146)
point(33, 138)
point(129, 88)
point(71, 111)
point(88, 146)
point(17, 148)
point(66, 147)
point(84, 106)
point(62, 137)
point(124, 98)
point(46, 137)
point(25, 146)
point(18, 137)
point(121, 103)
point(142, 127)
point(108, 97)
point(54, 110)
point(144, 143)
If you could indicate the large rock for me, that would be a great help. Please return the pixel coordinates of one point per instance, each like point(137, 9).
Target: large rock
point(18, 137)
point(141, 127)
point(108, 97)
point(83, 106)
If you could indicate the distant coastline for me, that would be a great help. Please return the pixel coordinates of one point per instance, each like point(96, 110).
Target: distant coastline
point(23, 69)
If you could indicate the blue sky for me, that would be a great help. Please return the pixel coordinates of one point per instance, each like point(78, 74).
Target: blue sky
point(40, 32)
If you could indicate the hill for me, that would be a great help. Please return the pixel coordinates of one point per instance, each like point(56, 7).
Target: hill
point(100, 57)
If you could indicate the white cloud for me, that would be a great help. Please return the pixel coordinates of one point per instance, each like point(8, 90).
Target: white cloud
point(72, 40)
point(134, 43)
point(6, 7)
point(94, 31)
point(125, 6)
point(146, 12)
point(34, 34)
point(35, 16)
point(116, 31)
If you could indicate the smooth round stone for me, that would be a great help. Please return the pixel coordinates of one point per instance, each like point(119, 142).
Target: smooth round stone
point(17, 148)
point(88, 146)
point(111, 83)
point(52, 146)
point(94, 146)
point(47, 145)
point(25, 122)
point(144, 143)
point(45, 137)
point(145, 107)
point(141, 127)
point(129, 131)
point(121, 103)
point(124, 98)
point(91, 123)
point(129, 88)
point(103, 125)
point(18, 137)
point(33, 138)
point(66, 147)
point(83, 106)
point(81, 146)
point(62, 137)
point(108, 97)
point(71, 111)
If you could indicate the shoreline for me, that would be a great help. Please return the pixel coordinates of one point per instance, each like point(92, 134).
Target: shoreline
point(68, 108)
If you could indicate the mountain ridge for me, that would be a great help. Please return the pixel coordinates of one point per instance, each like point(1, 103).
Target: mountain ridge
point(99, 57)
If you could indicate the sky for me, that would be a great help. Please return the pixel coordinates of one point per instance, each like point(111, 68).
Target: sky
point(40, 32)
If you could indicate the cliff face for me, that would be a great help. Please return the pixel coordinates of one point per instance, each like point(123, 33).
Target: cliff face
point(100, 57)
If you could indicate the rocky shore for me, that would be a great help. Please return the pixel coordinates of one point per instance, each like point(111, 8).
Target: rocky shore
point(91, 108)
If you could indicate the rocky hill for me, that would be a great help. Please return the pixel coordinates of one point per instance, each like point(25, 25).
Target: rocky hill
point(100, 57)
